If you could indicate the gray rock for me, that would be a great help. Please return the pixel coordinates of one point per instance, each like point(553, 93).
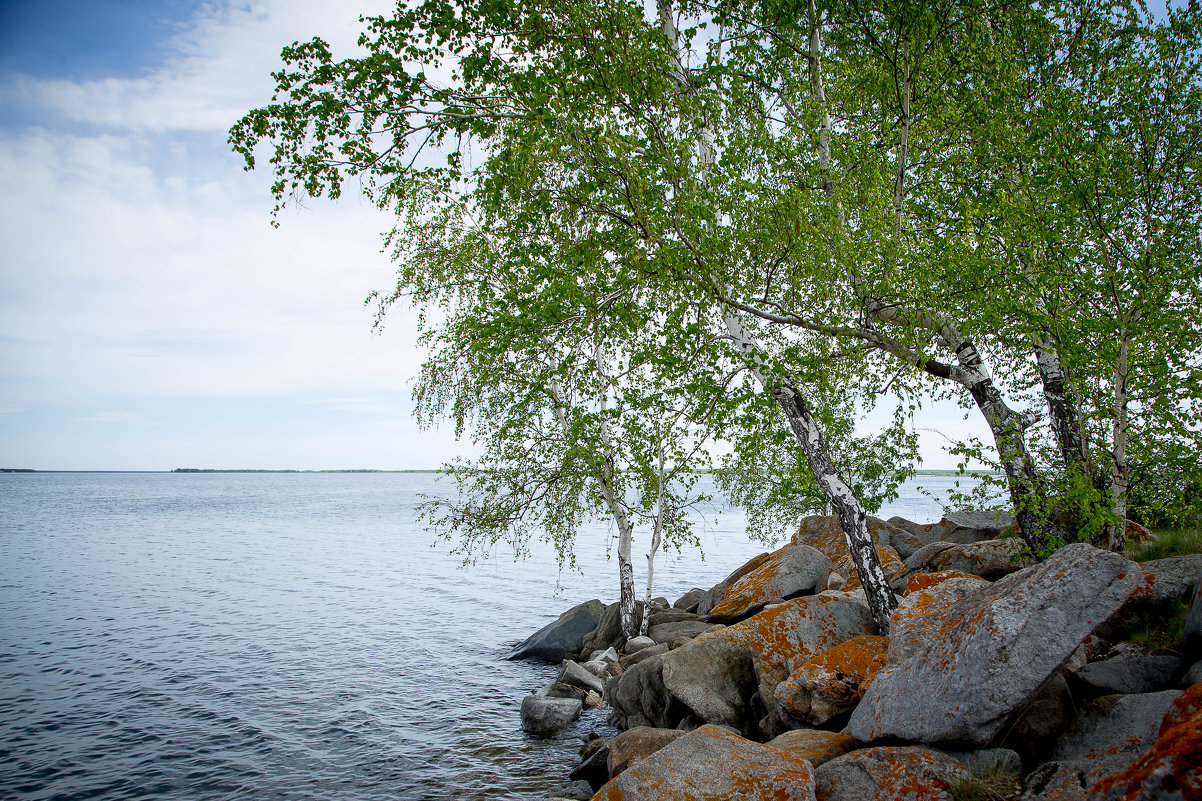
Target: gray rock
point(690, 600)
point(717, 593)
point(574, 675)
point(667, 615)
point(907, 536)
point(666, 632)
point(557, 690)
point(1192, 676)
point(545, 717)
point(715, 677)
point(575, 791)
point(709, 764)
point(608, 632)
point(595, 767)
point(966, 526)
point(1067, 781)
point(1166, 583)
point(1135, 674)
point(1114, 725)
point(1035, 731)
point(889, 773)
point(566, 634)
point(985, 760)
point(629, 660)
point(1191, 640)
point(919, 561)
point(964, 660)
point(638, 696)
point(637, 644)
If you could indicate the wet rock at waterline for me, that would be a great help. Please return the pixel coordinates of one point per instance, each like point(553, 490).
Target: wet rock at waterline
point(544, 716)
point(564, 635)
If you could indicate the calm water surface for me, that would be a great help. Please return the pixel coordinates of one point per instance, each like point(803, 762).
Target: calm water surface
point(283, 636)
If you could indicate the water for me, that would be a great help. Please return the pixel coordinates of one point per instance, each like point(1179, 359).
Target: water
point(283, 636)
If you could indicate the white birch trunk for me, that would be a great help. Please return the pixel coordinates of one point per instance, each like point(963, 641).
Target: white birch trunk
point(1120, 480)
point(1062, 407)
point(852, 518)
point(657, 530)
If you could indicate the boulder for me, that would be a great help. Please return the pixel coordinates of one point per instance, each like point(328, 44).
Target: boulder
point(825, 534)
point(894, 773)
point(634, 745)
point(557, 690)
point(788, 572)
point(1133, 674)
point(1184, 707)
point(573, 791)
point(1170, 769)
point(575, 675)
point(1191, 639)
point(1192, 676)
point(967, 526)
point(666, 632)
point(608, 632)
point(1060, 781)
point(908, 536)
point(638, 696)
point(628, 660)
point(667, 614)
point(709, 764)
point(830, 685)
point(690, 600)
point(635, 644)
point(964, 657)
point(717, 674)
point(564, 635)
point(1040, 723)
point(544, 717)
point(1115, 725)
point(595, 767)
point(1165, 585)
point(922, 581)
point(989, 559)
point(814, 745)
point(717, 593)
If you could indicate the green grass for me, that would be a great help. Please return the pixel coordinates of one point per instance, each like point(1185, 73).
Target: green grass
point(996, 783)
point(1168, 542)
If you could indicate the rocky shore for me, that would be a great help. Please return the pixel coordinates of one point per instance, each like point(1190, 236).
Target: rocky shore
point(1000, 678)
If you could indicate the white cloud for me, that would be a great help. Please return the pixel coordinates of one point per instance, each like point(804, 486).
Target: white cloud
point(221, 67)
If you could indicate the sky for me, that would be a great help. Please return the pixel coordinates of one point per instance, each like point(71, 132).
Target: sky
point(150, 316)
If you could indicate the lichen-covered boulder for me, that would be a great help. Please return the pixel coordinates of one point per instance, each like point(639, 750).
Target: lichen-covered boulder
point(790, 571)
point(894, 773)
point(989, 559)
point(964, 657)
point(715, 594)
point(815, 745)
point(634, 745)
point(830, 684)
point(564, 635)
point(544, 716)
point(1191, 637)
point(923, 581)
point(1170, 769)
point(709, 764)
point(825, 534)
point(716, 674)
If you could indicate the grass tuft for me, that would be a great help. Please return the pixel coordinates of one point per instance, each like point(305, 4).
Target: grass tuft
point(996, 783)
point(1168, 542)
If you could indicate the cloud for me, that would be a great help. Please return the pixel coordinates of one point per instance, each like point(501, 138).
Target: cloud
point(220, 67)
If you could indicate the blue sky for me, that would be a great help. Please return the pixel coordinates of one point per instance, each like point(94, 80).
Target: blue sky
point(150, 317)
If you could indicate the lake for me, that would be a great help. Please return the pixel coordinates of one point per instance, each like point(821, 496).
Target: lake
point(286, 636)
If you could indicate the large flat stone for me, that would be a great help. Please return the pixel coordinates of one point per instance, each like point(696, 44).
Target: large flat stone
point(964, 656)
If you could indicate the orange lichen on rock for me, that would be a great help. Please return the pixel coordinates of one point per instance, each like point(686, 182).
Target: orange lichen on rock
point(786, 572)
point(1172, 767)
point(815, 746)
point(858, 659)
point(922, 581)
point(712, 763)
point(896, 773)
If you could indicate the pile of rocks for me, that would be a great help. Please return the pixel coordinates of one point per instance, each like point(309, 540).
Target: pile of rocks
point(774, 683)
